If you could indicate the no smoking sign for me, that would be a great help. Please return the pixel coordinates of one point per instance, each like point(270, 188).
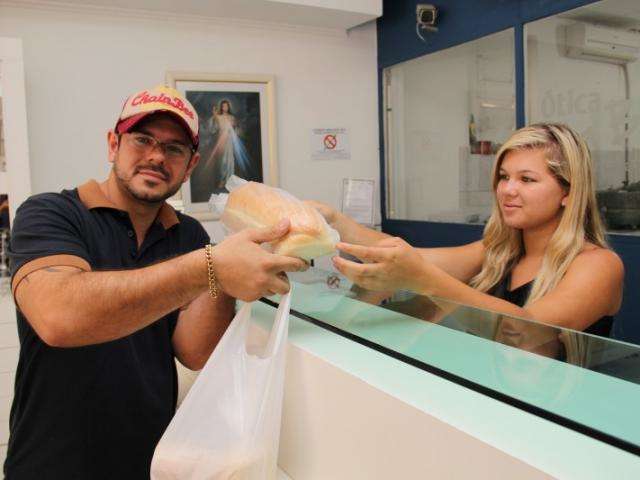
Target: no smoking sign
point(330, 144)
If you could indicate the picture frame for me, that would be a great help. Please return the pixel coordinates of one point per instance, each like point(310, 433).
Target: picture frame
point(237, 124)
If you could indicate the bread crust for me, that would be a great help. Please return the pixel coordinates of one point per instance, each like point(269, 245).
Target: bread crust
point(255, 205)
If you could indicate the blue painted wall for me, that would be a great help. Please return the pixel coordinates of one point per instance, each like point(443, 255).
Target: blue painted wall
point(461, 21)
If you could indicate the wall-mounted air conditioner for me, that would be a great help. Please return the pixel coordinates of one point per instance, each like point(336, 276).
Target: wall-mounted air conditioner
point(602, 44)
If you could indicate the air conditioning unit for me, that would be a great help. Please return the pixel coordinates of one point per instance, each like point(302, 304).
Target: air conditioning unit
point(602, 44)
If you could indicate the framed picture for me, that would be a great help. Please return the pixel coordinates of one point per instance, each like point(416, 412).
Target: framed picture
point(237, 134)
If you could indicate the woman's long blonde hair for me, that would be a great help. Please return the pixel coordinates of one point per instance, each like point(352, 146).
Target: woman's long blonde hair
point(568, 158)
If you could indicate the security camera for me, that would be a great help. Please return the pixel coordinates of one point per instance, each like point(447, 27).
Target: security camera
point(426, 15)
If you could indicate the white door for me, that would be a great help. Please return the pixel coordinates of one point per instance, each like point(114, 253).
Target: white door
point(15, 181)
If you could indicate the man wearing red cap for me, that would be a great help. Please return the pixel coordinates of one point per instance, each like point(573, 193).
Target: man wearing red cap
point(111, 284)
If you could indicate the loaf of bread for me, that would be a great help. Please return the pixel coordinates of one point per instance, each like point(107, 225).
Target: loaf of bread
point(255, 205)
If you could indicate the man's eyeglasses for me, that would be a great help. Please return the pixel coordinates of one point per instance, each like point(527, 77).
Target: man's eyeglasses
point(171, 150)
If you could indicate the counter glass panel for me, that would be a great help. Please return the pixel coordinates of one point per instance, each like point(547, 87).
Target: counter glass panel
point(588, 383)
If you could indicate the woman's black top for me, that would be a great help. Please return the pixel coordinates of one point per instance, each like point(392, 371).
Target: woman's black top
point(518, 296)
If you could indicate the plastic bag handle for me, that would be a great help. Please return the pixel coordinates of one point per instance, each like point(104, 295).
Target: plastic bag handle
point(278, 329)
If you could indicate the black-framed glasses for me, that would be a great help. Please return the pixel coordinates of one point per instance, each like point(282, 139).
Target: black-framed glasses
point(144, 143)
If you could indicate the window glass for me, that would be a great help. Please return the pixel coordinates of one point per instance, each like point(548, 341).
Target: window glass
point(582, 69)
point(446, 115)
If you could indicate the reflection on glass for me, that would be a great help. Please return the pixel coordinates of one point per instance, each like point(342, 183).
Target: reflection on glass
point(446, 115)
point(561, 371)
point(582, 69)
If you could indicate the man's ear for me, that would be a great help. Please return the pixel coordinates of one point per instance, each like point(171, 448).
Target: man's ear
point(192, 164)
point(113, 142)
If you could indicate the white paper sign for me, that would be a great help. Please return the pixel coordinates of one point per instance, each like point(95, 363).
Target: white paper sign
point(357, 199)
point(330, 144)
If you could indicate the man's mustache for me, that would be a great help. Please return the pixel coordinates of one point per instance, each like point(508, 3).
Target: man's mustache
point(154, 168)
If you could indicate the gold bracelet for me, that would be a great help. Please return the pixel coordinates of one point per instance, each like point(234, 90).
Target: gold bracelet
point(213, 287)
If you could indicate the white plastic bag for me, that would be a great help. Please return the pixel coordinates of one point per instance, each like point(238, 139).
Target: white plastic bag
point(228, 426)
point(217, 201)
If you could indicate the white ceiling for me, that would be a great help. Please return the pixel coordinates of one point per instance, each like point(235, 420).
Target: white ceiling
point(316, 13)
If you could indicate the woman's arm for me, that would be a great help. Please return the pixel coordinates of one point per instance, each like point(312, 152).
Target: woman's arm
point(591, 289)
point(394, 265)
point(350, 231)
point(572, 304)
point(462, 262)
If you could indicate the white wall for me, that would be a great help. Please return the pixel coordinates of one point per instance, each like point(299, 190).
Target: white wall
point(80, 66)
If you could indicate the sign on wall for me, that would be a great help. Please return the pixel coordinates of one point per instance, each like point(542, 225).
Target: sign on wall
point(330, 144)
point(357, 199)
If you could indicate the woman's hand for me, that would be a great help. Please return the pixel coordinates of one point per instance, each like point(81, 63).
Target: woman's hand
point(391, 264)
point(329, 213)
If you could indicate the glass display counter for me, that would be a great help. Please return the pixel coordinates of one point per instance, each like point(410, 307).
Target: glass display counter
point(587, 384)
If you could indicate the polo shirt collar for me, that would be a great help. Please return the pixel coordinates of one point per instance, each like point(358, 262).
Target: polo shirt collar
point(91, 196)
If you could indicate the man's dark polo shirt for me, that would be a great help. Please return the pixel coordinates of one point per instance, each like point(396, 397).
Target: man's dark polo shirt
point(93, 412)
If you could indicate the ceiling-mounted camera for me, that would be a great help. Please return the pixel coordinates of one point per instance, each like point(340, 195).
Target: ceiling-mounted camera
point(427, 16)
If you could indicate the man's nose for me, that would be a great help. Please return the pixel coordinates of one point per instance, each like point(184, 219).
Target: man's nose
point(156, 155)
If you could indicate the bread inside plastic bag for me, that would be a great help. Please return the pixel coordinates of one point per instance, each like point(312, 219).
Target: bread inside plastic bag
point(255, 205)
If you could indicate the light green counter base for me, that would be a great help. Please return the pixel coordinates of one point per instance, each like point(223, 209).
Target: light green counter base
point(555, 450)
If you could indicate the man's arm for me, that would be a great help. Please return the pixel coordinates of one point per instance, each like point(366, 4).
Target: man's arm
point(69, 307)
point(200, 327)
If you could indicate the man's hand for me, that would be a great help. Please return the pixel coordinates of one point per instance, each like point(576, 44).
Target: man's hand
point(246, 271)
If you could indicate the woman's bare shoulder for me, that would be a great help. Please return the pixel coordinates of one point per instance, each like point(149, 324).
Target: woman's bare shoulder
point(596, 257)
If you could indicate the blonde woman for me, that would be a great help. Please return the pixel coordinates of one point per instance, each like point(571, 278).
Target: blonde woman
point(543, 254)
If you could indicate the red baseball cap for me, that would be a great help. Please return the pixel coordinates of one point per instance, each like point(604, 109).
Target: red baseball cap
point(155, 100)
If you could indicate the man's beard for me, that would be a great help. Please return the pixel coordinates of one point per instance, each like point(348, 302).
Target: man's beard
point(149, 198)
